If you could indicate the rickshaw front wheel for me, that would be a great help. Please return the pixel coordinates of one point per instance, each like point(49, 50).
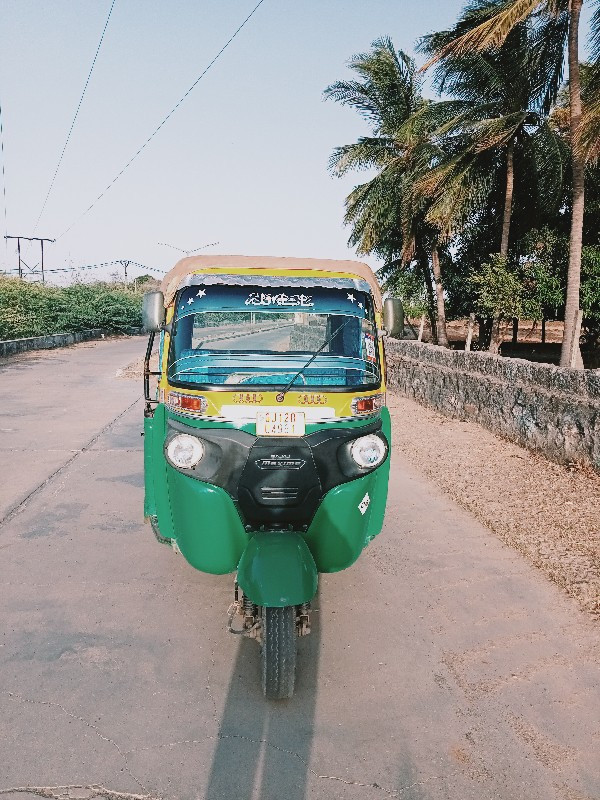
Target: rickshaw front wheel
point(278, 652)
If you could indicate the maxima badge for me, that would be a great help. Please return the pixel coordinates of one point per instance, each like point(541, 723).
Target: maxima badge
point(280, 462)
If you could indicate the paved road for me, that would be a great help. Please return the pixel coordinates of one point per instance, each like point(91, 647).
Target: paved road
point(441, 665)
point(275, 339)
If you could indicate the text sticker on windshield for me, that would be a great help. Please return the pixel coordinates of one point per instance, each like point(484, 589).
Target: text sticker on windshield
point(364, 504)
point(279, 299)
point(370, 347)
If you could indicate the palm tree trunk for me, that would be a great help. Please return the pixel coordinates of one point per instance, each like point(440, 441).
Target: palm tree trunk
point(442, 333)
point(508, 197)
point(496, 337)
point(570, 354)
point(424, 263)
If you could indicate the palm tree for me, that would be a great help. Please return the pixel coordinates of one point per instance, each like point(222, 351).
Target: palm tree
point(490, 34)
point(386, 216)
point(498, 114)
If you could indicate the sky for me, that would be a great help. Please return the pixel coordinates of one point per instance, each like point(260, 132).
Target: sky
point(242, 162)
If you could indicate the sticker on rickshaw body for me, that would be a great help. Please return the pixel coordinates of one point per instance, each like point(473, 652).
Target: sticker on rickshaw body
point(364, 504)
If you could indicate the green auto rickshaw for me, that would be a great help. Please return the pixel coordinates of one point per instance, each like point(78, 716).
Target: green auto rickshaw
point(267, 442)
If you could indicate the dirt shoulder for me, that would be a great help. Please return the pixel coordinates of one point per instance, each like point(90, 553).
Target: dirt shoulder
point(548, 512)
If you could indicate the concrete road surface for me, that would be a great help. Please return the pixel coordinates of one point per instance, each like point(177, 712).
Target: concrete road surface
point(440, 666)
point(276, 339)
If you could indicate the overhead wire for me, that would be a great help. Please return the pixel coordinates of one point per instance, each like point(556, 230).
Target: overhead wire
point(96, 266)
point(74, 269)
point(3, 179)
point(105, 264)
point(165, 120)
point(60, 160)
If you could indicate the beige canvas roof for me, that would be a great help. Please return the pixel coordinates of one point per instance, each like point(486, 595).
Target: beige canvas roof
point(266, 264)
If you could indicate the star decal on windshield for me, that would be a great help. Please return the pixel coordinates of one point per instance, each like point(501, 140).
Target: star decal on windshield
point(201, 293)
point(351, 298)
point(190, 301)
point(360, 305)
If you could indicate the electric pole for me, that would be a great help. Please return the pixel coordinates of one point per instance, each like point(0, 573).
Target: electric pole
point(125, 263)
point(21, 261)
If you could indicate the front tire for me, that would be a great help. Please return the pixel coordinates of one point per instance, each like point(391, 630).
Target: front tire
point(279, 652)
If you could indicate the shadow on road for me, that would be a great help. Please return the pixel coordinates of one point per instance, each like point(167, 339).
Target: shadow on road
point(264, 746)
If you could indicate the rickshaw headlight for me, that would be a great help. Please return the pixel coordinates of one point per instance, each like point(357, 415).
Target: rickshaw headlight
point(185, 451)
point(368, 451)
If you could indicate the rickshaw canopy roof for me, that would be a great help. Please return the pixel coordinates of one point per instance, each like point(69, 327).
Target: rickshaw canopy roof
point(266, 265)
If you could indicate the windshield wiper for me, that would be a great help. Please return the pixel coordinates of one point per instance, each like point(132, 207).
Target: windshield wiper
point(315, 354)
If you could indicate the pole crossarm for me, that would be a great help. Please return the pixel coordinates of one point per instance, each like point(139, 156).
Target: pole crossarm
point(41, 240)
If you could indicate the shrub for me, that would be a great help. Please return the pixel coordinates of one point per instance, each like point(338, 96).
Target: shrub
point(28, 309)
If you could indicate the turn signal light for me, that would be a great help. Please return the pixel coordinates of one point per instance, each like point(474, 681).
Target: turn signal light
point(191, 403)
point(367, 405)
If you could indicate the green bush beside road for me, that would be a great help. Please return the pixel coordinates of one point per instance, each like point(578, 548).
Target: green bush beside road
point(28, 309)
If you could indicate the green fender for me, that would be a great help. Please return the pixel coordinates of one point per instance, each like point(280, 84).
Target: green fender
point(277, 569)
point(156, 498)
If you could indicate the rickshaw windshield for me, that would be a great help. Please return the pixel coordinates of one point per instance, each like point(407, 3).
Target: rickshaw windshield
point(233, 336)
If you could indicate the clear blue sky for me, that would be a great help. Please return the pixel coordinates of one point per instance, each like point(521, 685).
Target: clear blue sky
point(242, 162)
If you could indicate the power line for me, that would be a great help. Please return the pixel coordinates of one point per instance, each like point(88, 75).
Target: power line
point(75, 117)
point(3, 177)
point(98, 266)
point(84, 266)
point(165, 120)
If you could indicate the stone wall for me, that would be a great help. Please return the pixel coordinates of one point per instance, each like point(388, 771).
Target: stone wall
point(9, 347)
point(549, 409)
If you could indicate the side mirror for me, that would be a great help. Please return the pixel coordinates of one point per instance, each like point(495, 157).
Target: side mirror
point(153, 311)
point(393, 317)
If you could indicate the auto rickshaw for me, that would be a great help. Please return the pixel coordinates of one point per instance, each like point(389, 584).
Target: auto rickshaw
point(267, 443)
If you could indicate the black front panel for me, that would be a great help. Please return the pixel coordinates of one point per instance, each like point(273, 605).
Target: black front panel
point(276, 481)
point(279, 483)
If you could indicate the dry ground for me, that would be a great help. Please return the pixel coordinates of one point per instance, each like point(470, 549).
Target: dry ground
point(550, 513)
point(530, 331)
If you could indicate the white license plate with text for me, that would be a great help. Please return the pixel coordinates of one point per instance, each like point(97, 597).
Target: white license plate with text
point(280, 422)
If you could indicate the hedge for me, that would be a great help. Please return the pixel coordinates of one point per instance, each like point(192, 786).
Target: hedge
point(32, 309)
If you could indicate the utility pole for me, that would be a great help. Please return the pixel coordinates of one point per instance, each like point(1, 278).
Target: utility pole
point(21, 262)
point(125, 263)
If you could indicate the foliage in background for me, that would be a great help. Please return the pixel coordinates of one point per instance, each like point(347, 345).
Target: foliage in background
point(408, 285)
point(31, 309)
point(590, 294)
point(543, 268)
point(489, 168)
point(387, 214)
point(497, 289)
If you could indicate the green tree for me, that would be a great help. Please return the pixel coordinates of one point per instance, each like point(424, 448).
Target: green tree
point(498, 290)
point(497, 123)
point(544, 258)
point(386, 215)
point(490, 34)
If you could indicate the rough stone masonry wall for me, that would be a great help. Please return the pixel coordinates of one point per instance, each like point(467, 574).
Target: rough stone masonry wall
point(549, 409)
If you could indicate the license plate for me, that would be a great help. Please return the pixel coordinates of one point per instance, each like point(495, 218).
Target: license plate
point(279, 422)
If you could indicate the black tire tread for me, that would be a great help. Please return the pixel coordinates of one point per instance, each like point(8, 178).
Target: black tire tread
point(279, 652)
